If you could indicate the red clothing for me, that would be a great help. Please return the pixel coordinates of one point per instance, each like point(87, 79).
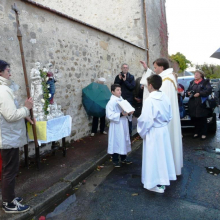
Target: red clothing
point(198, 81)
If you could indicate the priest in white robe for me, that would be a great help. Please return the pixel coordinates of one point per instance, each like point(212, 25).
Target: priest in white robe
point(169, 87)
point(147, 72)
point(118, 136)
point(157, 158)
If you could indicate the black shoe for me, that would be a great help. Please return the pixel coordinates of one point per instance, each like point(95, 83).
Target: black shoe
point(219, 116)
point(127, 161)
point(117, 164)
point(14, 207)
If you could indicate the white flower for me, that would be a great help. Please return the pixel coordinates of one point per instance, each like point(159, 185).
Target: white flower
point(45, 70)
point(48, 86)
point(47, 78)
point(48, 109)
point(49, 95)
point(42, 100)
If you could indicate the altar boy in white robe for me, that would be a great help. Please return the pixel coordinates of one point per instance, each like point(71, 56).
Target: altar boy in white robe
point(157, 159)
point(119, 143)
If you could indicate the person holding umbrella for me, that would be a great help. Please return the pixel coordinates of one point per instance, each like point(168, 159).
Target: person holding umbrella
point(95, 97)
point(12, 136)
point(95, 120)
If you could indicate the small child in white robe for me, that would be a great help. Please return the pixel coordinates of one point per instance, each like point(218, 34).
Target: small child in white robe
point(157, 159)
point(118, 136)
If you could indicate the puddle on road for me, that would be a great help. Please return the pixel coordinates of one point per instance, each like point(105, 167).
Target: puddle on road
point(209, 149)
point(58, 206)
point(212, 170)
point(69, 198)
point(62, 207)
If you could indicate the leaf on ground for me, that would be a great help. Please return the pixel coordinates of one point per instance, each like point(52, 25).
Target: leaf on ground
point(135, 194)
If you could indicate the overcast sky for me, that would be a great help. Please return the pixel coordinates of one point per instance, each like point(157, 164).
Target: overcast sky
point(194, 29)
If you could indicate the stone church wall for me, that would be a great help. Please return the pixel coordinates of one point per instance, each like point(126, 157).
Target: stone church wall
point(123, 18)
point(79, 52)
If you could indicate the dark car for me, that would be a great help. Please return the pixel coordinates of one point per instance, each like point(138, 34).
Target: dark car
point(186, 121)
point(214, 83)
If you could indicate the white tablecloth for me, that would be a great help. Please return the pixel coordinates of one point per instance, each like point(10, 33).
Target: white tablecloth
point(57, 128)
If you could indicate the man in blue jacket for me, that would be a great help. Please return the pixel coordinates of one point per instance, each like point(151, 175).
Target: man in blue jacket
point(127, 83)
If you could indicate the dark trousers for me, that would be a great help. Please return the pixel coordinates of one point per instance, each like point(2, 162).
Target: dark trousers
point(10, 167)
point(200, 125)
point(95, 122)
point(115, 157)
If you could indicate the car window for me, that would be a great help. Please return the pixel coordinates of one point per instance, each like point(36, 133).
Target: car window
point(185, 82)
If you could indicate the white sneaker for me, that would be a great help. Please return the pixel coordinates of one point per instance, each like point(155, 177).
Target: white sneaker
point(157, 189)
point(92, 134)
point(104, 132)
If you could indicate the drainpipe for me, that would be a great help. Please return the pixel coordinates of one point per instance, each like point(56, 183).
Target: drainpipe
point(147, 44)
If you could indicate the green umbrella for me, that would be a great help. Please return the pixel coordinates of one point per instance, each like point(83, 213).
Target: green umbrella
point(95, 98)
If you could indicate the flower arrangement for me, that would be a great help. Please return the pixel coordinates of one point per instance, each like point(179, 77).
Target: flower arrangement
point(46, 94)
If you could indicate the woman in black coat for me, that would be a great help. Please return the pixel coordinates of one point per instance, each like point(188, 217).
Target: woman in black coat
point(198, 90)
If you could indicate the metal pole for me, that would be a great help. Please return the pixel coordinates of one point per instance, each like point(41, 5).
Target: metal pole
point(19, 35)
point(147, 44)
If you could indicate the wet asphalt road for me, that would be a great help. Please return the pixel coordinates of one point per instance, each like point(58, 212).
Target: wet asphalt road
point(115, 194)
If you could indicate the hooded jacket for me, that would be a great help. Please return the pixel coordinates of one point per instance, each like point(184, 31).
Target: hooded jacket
point(12, 124)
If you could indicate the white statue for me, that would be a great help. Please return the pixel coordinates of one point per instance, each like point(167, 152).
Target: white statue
point(60, 113)
point(49, 116)
point(41, 116)
point(40, 112)
point(36, 87)
point(37, 94)
point(35, 111)
point(54, 111)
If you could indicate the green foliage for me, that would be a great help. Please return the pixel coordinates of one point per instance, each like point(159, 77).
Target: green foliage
point(181, 60)
point(211, 71)
point(45, 91)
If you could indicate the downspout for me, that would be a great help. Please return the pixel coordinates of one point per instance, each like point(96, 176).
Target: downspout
point(146, 31)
